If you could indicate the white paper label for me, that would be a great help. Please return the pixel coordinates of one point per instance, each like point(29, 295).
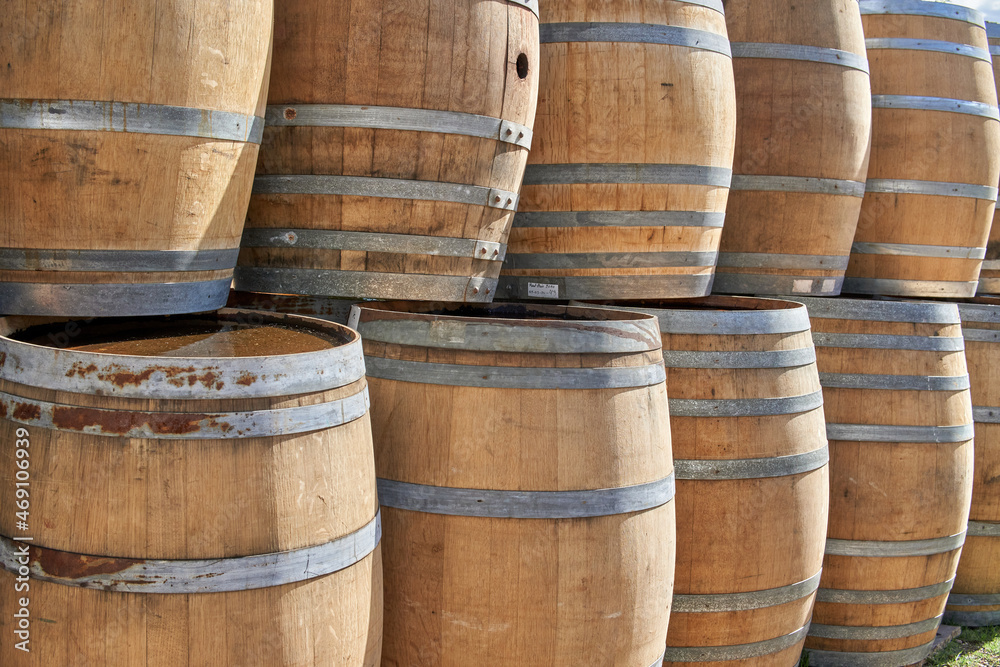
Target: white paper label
point(802, 286)
point(543, 291)
point(829, 285)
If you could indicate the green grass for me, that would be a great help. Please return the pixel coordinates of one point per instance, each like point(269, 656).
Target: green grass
point(975, 647)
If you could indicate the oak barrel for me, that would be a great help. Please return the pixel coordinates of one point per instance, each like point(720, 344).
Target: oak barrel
point(749, 439)
point(989, 276)
point(935, 151)
point(899, 422)
point(128, 139)
point(803, 129)
point(975, 597)
point(327, 308)
point(625, 191)
point(396, 139)
point(196, 490)
point(525, 476)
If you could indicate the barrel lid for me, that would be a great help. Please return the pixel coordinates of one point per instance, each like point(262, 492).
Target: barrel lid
point(944, 10)
point(919, 312)
point(507, 327)
point(332, 358)
point(721, 315)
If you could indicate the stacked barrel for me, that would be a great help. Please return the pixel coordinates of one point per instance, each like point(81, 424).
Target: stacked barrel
point(989, 277)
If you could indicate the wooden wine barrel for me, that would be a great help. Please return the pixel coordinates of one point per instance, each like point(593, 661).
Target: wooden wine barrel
point(128, 139)
point(625, 191)
point(935, 151)
point(323, 307)
point(975, 597)
point(396, 139)
point(989, 276)
point(749, 439)
point(525, 476)
point(188, 481)
point(899, 421)
point(803, 108)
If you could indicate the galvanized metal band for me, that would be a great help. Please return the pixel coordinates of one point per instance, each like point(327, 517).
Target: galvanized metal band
point(813, 54)
point(723, 602)
point(991, 264)
point(185, 378)
point(984, 529)
point(989, 286)
point(215, 575)
point(819, 186)
point(871, 632)
point(941, 10)
point(531, 5)
point(365, 284)
point(636, 173)
point(745, 407)
point(735, 282)
point(908, 656)
point(398, 118)
point(729, 322)
point(634, 33)
point(107, 116)
point(894, 549)
point(608, 260)
point(711, 4)
point(522, 336)
point(406, 244)
point(659, 661)
point(735, 652)
point(966, 600)
point(916, 250)
point(981, 335)
point(390, 188)
point(936, 188)
point(895, 382)
point(619, 219)
point(978, 312)
point(512, 504)
point(993, 30)
point(975, 619)
point(154, 425)
point(994, 50)
point(607, 287)
point(120, 261)
point(939, 46)
point(924, 103)
point(895, 433)
point(881, 311)
point(889, 342)
point(113, 299)
point(510, 377)
point(743, 359)
point(900, 596)
point(912, 288)
point(985, 415)
point(776, 466)
point(769, 260)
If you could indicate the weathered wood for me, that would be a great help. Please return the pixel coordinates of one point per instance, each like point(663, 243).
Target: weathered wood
point(626, 186)
point(803, 131)
point(475, 473)
point(174, 505)
point(743, 590)
point(128, 139)
point(899, 422)
point(396, 141)
point(989, 276)
point(935, 152)
point(975, 598)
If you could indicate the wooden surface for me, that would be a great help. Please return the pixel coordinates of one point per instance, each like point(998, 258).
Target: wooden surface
point(610, 103)
point(458, 57)
point(915, 144)
point(75, 189)
point(111, 496)
point(797, 119)
point(719, 552)
point(891, 491)
point(520, 592)
point(989, 276)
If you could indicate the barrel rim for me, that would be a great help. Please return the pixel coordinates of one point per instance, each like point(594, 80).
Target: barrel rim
point(874, 310)
point(189, 378)
point(505, 327)
point(945, 10)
